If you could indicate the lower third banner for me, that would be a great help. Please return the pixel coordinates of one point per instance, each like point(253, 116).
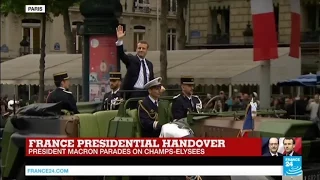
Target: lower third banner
point(153, 170)
point(143, 147)
point(132, 161)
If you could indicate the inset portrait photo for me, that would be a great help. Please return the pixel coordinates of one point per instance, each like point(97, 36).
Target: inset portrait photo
point(281, 146)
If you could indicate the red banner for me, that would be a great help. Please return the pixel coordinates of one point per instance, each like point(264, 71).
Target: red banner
point(143, 147)
point(103, 59)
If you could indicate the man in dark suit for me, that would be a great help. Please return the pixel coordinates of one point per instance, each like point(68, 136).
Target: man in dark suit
point(112, 99)
point(148, 109)
point(273, 147)
point(61, 93)
point(139, 69)
point(289, 145)
point(185, 102)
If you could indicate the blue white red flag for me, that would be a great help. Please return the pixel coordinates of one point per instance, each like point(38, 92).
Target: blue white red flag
point(248, 124)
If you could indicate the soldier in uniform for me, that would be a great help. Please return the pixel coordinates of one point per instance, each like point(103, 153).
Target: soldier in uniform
point(186, 101)
point(148, 109)
point(112, 99)
point(61, 93)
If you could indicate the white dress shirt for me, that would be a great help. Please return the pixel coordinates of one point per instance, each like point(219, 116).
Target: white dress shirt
point(140, 81)
point(154, 101)
point(274, 154)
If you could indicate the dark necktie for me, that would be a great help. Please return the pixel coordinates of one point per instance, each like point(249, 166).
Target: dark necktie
point(144, 72)
point(274, 155)
point(156, 103)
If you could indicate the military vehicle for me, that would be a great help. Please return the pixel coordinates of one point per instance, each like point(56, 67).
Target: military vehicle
point(125, 123)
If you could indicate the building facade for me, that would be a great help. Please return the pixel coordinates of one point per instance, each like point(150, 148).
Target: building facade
point(140, 19)
point(223, 22)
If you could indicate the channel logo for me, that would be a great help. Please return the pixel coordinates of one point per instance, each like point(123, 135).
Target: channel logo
point(292, 165)
point(35, 9)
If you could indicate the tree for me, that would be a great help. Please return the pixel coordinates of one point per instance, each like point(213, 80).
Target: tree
point(181, 23)
point(55, 7)
point(61, 7)
point(163, 41)
point(18, 7)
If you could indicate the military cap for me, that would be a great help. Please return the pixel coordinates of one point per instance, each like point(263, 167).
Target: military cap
point(152, 83)
point(115, 75)
point(58, 77)
point(187, 80)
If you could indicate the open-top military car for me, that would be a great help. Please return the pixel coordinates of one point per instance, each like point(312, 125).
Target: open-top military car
point(45, 120)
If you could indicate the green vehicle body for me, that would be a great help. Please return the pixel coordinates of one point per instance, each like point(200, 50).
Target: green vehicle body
point(125, 123)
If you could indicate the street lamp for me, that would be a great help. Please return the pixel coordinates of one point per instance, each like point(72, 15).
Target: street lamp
point(80, 29)
point(248, 34)
point(24, 46)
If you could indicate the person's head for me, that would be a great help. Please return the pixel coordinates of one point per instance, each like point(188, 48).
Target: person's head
point(245, 97)
point(187, 85)
point(289, 144)
point(154, 88)
point(316, 97)
point(61, 80)
point(222, 95)
point(237, 99)
point(273, 145)
point(142, 49)
point(13, 105)
point(288, 101)
point(276, 101)
point(115, 80)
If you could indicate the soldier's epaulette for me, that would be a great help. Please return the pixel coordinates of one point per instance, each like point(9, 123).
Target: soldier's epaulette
point(176, 96)
point(69, 92)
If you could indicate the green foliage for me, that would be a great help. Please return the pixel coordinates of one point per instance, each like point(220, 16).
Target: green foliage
point(60, 6)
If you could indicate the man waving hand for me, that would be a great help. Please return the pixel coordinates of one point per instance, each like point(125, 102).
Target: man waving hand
point(139, 69)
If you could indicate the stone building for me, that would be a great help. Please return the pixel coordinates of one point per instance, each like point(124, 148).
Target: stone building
point(216, 23)
point(139, 18)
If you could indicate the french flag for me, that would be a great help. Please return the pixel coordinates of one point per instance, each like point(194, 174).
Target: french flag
point(295, 28)
point(265, 44)
point(248, 124)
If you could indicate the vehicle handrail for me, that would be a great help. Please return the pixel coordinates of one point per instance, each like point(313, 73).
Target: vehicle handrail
point(240, 113)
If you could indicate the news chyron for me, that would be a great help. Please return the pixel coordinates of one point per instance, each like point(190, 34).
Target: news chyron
point(35, 9)
point(290, 148)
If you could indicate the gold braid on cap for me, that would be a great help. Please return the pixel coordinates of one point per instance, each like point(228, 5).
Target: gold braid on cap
point(154, 117)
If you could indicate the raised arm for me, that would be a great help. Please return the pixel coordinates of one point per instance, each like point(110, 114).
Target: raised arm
point(123, 57)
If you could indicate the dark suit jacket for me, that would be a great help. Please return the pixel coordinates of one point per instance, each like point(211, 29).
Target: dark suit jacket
point(146, 121)
point(65, 97)
point(106, 103)
point(294, 154)
point(133, 65)
point(181, 105)
point(268, 154)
